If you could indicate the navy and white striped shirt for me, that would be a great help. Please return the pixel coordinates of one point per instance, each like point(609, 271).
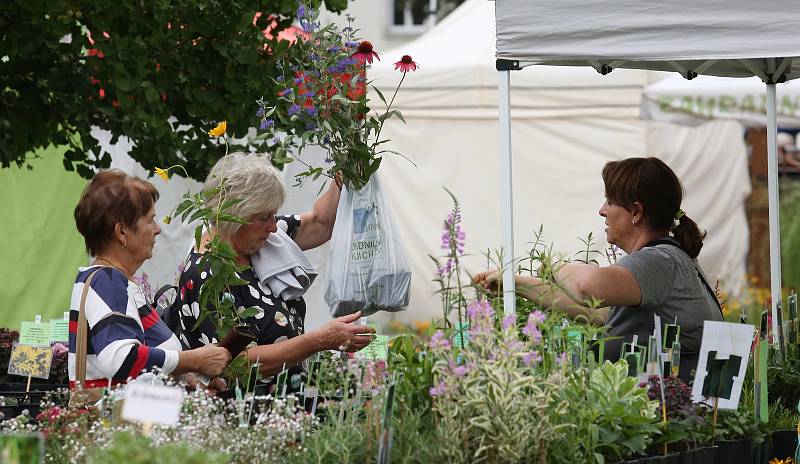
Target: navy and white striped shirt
point(126, 336)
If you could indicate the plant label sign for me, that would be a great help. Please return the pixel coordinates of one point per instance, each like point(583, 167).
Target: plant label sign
point(59, 330)
point(156, 404)
point(34, 333)
point(724, 354)
point(378, 350)
point(30, 361)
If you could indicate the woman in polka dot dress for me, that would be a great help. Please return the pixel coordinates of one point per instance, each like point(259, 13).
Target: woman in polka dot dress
point(278, 325)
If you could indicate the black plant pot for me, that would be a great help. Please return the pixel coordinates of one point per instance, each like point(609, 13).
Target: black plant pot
point(706, 455)
point(237, 340)
point(739, 451)
point(784, 443)
point(672, 458)
point(687, 457)
point(760, 453)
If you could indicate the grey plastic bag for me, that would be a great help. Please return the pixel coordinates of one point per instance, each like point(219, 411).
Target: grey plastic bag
point(367, 269)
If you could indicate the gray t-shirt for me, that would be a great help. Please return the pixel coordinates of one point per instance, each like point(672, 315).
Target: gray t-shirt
point(671, 287)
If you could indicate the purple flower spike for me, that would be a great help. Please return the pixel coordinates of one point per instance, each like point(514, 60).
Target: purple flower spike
point(509, 321)
point(439, 341)
point(438, 390)
point(531, 359)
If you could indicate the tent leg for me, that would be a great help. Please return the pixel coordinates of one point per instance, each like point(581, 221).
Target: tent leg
point(506, 193)
point(774, 212)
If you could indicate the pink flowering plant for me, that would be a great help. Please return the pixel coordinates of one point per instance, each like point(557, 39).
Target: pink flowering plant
point(448, 268)
point(323, 101)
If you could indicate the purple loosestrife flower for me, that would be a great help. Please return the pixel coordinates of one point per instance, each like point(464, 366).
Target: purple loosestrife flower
point(531, 359)
point(537, 316)
point(439, 341)
point(460, 371)
point(533, 333)
point(439, 389)
point(480, 309)
point(509, 321)
point(293, 110)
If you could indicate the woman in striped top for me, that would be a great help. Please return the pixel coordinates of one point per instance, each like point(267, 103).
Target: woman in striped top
point(116, 216)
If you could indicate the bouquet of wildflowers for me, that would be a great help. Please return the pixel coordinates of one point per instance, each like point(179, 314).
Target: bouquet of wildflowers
point(323, 102)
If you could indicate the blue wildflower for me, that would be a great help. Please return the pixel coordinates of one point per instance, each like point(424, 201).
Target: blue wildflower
point(276, 139)
point(294, 109)
point(260, 112)
point(351, 44)
point(301, 12)
point(280, 78)
point(311, 110)
point(334, 49)
point(267, 123)
point(311, 125)
point(298, 80)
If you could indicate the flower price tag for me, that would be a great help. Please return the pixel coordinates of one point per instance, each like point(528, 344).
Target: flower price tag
point(154, 404)
point(461, 338)
point(378, 350)
point(34, 333)
point(59, 330)
point(30, 361)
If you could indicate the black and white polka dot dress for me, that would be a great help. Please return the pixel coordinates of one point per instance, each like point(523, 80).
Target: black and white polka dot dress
point(276, 321)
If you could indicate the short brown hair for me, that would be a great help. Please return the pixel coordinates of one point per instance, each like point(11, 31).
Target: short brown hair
point(652, 183)
point(111, 197)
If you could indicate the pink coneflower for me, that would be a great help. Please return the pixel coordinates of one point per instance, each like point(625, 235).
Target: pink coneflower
point(364, 53)
point(406, 64)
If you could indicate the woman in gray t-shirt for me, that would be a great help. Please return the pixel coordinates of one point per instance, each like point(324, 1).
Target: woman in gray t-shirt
point(659, 275)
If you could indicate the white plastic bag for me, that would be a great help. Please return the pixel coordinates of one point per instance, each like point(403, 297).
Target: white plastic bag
point(367, 269)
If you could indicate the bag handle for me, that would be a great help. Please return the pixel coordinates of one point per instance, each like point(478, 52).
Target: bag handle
point(82, 339)
point(673, 242)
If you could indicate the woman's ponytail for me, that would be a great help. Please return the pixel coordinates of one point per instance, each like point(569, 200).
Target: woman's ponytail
point(688, 234)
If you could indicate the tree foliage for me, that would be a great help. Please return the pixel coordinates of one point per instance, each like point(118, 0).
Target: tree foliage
point(160, 72)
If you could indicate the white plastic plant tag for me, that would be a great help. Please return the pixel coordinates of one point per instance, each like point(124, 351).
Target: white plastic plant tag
point(156, 404)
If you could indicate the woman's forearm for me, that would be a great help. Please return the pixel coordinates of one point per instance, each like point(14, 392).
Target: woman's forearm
point(566, 297)
point(290, 352)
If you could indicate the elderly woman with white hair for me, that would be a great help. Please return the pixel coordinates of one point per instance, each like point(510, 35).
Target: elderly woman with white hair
point(278, 326)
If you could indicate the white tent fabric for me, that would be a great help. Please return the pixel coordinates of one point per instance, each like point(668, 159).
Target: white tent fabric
point(678, 100)
point(735, 38)
point(567, 123)
point(714, 37)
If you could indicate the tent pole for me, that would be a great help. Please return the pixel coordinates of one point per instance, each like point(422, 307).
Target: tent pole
point(774, 212)
point(506, 193)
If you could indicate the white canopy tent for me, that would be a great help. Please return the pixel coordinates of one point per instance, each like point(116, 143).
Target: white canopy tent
point(734, 38)
point(577, 117)
point(680, 101)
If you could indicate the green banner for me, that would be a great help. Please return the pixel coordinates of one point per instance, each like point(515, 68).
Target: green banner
point(41, 248)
